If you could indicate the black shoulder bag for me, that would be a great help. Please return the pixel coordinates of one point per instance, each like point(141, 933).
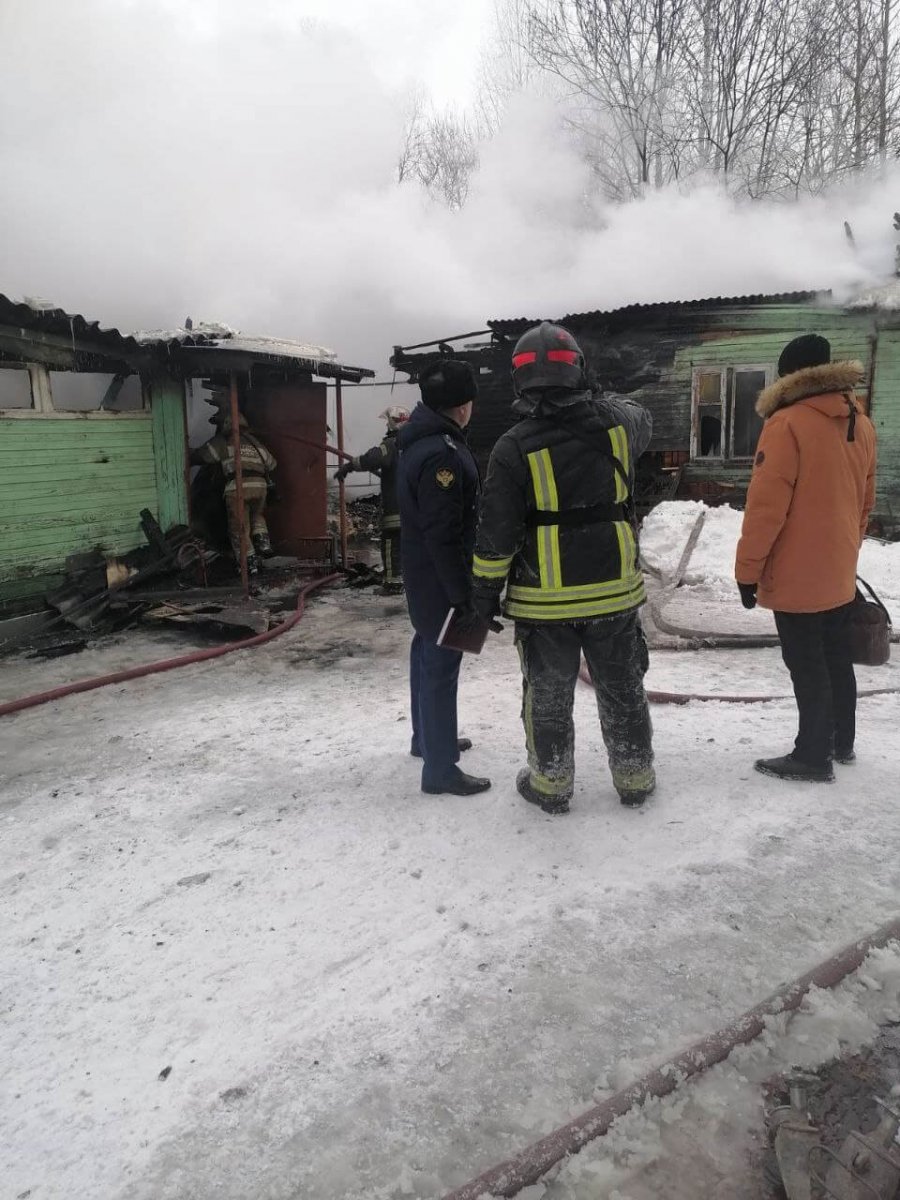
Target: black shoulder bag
point(870, 629)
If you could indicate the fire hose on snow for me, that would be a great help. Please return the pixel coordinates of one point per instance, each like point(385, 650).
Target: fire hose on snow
point(697, 640)
point(167, 664)
point(527, 1167)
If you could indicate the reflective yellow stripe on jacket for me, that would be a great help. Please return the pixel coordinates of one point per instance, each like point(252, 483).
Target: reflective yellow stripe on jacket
point(618, 440)
point(553, 600)
point(546, 500)
point(491, 568)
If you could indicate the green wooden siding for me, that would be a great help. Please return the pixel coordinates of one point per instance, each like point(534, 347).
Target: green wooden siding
point(170, 445)
point(67, 485)
point(885, 412)
point(850, 337)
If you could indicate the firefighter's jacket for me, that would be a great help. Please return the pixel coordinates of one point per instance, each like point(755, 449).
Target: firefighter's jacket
point(555, 524)
point(381, 460)
point(256, 459)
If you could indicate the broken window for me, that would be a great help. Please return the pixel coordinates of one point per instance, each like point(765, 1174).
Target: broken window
point(15, 386)
point(724, 420)
point(87, 391)
point(746, 425)
point(709, 414)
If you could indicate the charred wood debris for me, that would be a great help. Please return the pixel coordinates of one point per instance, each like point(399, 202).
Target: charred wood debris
point(179, 581)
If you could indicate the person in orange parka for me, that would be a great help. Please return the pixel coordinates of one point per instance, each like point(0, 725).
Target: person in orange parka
point(808, 505)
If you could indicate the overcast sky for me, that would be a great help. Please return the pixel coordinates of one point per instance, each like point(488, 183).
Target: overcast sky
point(432, 42)
point(235, 161)
point(435, 41)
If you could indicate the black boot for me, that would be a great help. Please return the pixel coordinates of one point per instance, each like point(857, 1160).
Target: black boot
point(263, 545)
point(456, 783)
point(788, 767)
point(550, 804)
point(634, 785)
point(462, 744)
point(845, 756)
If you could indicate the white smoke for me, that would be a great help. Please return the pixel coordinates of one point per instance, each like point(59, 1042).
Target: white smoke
point(233, 163)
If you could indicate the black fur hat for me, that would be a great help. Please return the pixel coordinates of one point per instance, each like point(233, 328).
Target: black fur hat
point(810, 350)
point(447, 383)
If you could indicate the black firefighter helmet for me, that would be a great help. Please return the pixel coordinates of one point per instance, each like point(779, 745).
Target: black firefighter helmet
point(547, 356)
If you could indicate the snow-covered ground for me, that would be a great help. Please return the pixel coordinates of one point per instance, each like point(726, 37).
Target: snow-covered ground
point(243, 955)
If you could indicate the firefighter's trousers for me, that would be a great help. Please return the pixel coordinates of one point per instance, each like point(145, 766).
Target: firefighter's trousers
point(255, 490)
point(616, 654)
point(390, 555)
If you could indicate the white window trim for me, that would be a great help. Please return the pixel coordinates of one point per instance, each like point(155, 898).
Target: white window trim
point(41, 395)
point(726, 401)
point(722, 372)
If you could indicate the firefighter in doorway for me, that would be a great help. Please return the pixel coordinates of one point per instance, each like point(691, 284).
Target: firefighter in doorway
point(257, 465)
point(381, 460)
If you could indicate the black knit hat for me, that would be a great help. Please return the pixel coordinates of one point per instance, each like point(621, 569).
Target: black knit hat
point(810, 350)
point(447, 383)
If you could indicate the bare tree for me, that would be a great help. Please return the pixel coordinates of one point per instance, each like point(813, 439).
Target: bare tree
point(412, 144)
point(620, 62)
point(745, 83)
point(775, 96)
point(507, 63)
point(438, 150)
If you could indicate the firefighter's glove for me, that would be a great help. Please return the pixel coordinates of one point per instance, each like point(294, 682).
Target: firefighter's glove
point(748, 594)
point(487, 605)
point(468, 618)
point(485, 609)
point(343, 471)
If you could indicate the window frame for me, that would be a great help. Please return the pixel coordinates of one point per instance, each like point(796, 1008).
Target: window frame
point(768, 372)
point(22, 368)
point(722, 372)
point(727, 373)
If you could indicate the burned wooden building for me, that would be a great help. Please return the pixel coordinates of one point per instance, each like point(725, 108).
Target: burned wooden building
point(94, 431)
point(698, 366)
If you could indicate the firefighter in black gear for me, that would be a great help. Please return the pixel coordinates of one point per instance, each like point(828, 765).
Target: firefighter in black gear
point(438, 487)
point(556, 529)
point(381, 460)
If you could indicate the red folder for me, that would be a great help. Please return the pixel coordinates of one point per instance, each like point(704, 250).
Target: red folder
point(471, 641)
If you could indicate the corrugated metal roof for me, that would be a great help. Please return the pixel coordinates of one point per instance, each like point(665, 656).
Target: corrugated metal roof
point(178, 347)
point(517, 324)
point(190, 347)
point(265, 351)
point(41, 317)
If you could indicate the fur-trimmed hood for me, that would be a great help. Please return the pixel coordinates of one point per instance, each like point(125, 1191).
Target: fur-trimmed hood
point(831, 377)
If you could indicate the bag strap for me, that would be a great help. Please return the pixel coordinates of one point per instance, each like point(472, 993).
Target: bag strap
point(876, 599)
point(850, 399)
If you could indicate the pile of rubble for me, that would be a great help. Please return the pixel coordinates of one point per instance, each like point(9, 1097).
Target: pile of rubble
point(175, 580)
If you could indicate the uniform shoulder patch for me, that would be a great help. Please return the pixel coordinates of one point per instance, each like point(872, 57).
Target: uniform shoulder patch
point(445, 477)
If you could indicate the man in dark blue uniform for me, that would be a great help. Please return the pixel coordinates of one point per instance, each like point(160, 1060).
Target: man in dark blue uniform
point(437, 489)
